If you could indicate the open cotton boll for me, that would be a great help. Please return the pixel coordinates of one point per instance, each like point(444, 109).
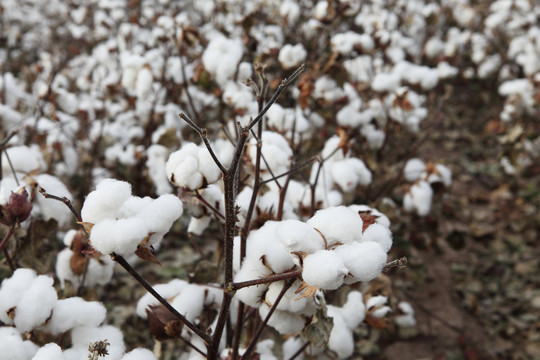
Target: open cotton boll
point(360, 69)
point(75, 311)
point(221, 57)
point(156, 158)
point(50, 351)
point(167, 291)
point(288, 301)
point(338, 224)
point(291, 55)
point(441, 174)
point(84, 335)
point(12, 290)
point(291, 346)
point(50, 208)
point(139, 354)
point(12, 346)
point(386, 82)
point(161, 213)
point(296, 235)
point(104, 202)
point(354, 310)
point(23, 158)
point(419, 198)
point(407, 319)
point(364, 261)
point(264, 349)
point(344, 43)
point(351, 172)
point(252, 269)
point(143, 85)
point(276, 151)
point(341, 339)
point(190, 301)
point(324, 269)
point(198, 225)
point(327, 88)
point(283, 321)
point(379, 234)
point(262, 245)
point(27, 314)
point(118, 236)
point(413, 169)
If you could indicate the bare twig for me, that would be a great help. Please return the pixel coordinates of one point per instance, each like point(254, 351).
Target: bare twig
point(63, 199)
point(399, 263)
point(266, 280)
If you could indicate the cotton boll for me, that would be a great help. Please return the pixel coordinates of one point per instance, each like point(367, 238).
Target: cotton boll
point(291, 56)
point(252, 269)
point(289, 10)
point(324, 269)
point(354, 310)
point(327, 88)
point(105, 201)
point(35, 304)
point(12, 290)
point(12, 346)
point(379, 234)
point(50, 351)
point(359, 69)
point(442, 174)
point(276, 151)
point(283, 321)
point(407, 319)
point(23, 158)
point(419, 198)
point(50, 208)
point(63, 268)
point(296, 235)
point(139, 354)
point(82, 336)
point(376, 306)
point(190, 301)
point(118, 236)
point(291, 346)
point(386, 82)
point(364, 261)
point(75, 311)
point(221, 57)
point(341, 339)
point(380, 218)
point(198, 225)
point(413, 169)
point(167, 291)
point(262, 245)
point(161, 213)
point(155, 163)
point(289, 300)
point(338, 224)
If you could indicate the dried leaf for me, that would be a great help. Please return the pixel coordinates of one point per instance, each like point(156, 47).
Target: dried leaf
point(343, 139)
point(378, 323)
point(318, 331)
point(146, 254)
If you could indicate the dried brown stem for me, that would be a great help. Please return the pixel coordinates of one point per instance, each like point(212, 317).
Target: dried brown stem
point(266, 280)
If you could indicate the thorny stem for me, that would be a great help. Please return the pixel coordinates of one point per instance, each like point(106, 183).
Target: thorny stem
point(122, 262)
point(266, 280)
point(251, 346)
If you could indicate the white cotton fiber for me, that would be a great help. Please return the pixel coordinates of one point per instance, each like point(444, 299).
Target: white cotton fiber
point(50, 208)
point(161, 213)
point(12, 346)
point(296, 235)
point(50, 351)
point(139, 354)
point(288, 301)
point(283, 321)
point(75, 311)
point(12, 289)
point(252, 269)
point(354, 310)
point(419, 198)
point(23, 159)
point(221, 58)
point(364, 261)
point(291, 55)
point(379, 234)
point(119, 236)
point(324, 269)
point(291, 347)
point(82, 336)
point(341, 339)
point(190, 301)
point(35, 304)
point(338, 224)
point(413, 169)
point(407, 319)
point(263, 245)
point(167, 291)
point(105, 201)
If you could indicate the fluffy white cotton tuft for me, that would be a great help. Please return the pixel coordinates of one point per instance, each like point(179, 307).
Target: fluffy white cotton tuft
point(35, 304)
point(324, 269)
point(105, 201)
point(419, 198)
point(119, 236)
point(75, 311)
point(221, 57)
point(12, 346)
point(364, 261)
point(379, 234)
point(12, 290)
point(414, 169)
point(292, 55)
point(50, 351)
point(338, 224)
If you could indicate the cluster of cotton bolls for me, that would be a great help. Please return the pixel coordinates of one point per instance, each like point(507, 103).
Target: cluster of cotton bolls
point(122, 223)
point(29, 302)
point(337, 245)
point(423, 177)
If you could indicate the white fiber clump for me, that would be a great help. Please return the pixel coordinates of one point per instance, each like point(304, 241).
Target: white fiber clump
point(82, 336)
point(419, 198)
point(73, 312)
point(291, 55)
point(276, 151)
point(349, 173)
point(27, 314)
point(324, 269)
point(296, 235)
point(121, 222)
point(11, 291)
point(50, 208)
point(386, 82)
point(191, 167)
point(346, 319)
point(345, 43)
point(50, 351)
point(379, 234)
point(407, 318)
point(338, 224)
point(414, 169)
point(167, 291)
point(23, 158)
point(341, 339)
point(13, 347)
point(284, 322)
point(376, 306)
point(157, 157)
point(221, 57)
point(364, 261)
